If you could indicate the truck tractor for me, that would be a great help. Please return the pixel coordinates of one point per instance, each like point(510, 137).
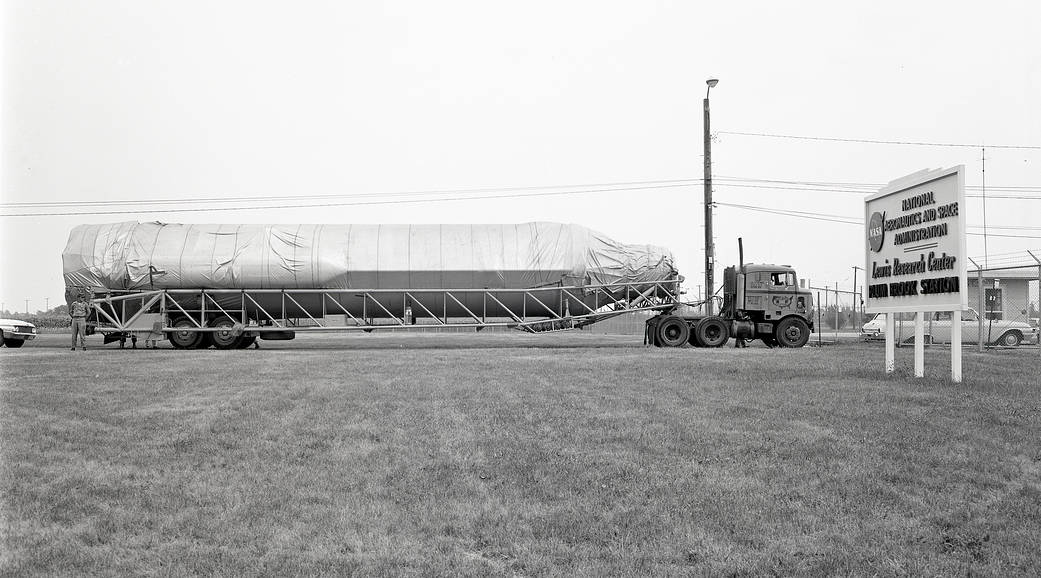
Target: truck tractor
point(759, 302)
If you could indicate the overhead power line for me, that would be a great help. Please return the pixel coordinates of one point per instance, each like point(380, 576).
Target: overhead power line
point(886, 142)
point(278, 198)
point(347, 203)
point(867, 187)
point(847, 220)
point(163, 205)
point(146, 206)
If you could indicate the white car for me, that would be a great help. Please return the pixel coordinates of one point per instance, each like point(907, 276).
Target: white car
point(938, 329)
point(14, 333)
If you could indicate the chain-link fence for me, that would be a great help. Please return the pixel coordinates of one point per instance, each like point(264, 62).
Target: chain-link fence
point(1003, 311)
point(837, 313)
point(1007, 301)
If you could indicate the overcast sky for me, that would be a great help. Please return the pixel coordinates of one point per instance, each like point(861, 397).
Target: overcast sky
point(134, 100)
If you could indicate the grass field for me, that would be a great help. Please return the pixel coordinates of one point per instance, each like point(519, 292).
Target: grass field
point(516, 455)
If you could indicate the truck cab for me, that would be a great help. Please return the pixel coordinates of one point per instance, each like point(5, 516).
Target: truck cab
point(766, 302)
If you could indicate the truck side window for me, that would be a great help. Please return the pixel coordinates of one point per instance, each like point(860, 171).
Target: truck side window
point(782, 279)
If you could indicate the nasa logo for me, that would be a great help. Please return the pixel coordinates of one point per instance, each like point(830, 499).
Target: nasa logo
point(875, 232)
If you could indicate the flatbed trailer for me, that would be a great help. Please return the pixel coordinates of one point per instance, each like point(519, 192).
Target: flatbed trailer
point(235, 318)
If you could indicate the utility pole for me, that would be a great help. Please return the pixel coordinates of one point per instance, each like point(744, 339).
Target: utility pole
point(709, 249)
point(26, 306)
point(986, 253)
point(47, 303)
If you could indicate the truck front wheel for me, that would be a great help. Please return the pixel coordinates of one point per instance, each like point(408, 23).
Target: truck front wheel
point(792, 332)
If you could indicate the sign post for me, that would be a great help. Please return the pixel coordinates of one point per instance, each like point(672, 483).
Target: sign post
point(915, 256)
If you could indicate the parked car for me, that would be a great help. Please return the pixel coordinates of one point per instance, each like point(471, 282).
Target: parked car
point(14, 332)
point(938, 329)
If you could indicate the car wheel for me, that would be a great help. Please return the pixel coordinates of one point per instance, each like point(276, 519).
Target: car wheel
point(1010, 339)
point(14, 343)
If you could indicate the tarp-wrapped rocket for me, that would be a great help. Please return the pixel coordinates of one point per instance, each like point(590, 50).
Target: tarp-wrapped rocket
point(146, 256)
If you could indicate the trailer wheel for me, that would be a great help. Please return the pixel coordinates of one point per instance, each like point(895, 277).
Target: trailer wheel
point(713, 332)
point(792, 332)
point(672, 331)
point(183, 338)
point(693, 339)
point(224, 337)
point(245, 341)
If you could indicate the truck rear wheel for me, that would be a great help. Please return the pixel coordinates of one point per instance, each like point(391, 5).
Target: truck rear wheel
point(792, 332)
point(713, 332)
point(673, 331)
point(183, 338)
point(650, 331)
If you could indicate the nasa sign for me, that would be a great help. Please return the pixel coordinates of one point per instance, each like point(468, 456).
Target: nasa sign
point(875, 233)
point(915, 244)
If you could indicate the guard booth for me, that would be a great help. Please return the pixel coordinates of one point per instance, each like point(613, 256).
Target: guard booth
point(1009, 294)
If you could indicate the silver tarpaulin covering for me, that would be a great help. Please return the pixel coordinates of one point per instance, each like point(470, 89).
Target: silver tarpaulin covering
point(141, 256)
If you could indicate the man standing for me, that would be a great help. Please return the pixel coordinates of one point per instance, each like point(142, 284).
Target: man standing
point(78, 311)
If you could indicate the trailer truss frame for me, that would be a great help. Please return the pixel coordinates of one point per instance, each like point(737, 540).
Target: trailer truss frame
point(609, 300)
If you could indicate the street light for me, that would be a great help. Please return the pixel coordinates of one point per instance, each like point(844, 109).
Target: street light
point(709, 249)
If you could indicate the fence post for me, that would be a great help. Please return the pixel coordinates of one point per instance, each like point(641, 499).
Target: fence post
point(979, 312)
point(979, 309)
point(820, 327)
point(836, 312)
point(1031, 253)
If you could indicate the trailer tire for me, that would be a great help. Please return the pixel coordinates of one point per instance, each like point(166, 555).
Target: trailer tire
point(672, 331)
point(792, 332)
point(713, 332)
point(225, 337)
point(245, 341)
point(184, 339)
